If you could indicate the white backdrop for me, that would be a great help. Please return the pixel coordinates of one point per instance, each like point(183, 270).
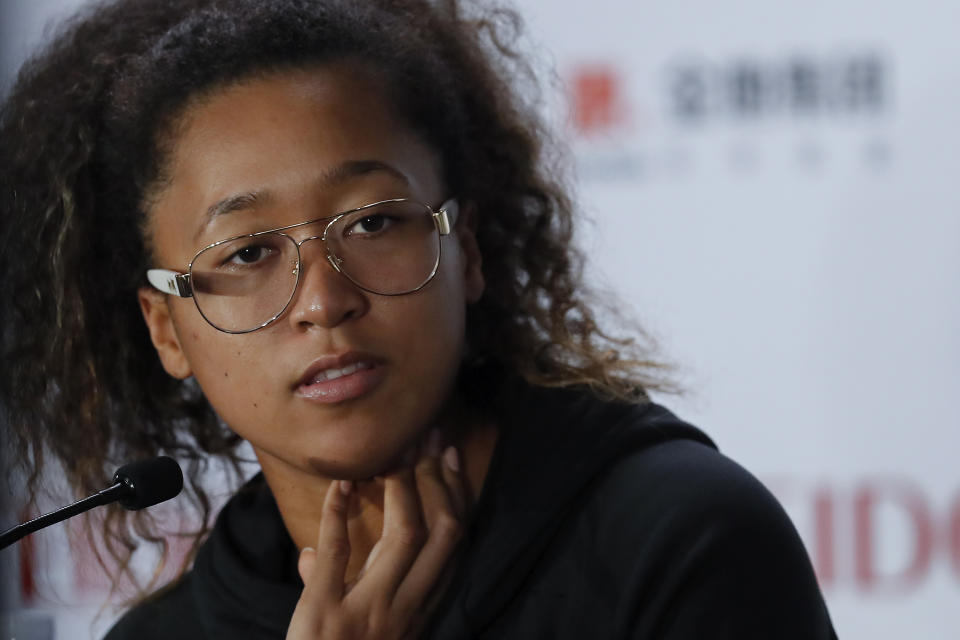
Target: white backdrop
point(773, 192)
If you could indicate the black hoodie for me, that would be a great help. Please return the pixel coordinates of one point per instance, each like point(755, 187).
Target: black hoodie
point(597, 520)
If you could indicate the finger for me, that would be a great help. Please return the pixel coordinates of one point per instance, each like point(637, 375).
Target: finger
point(447, 464)
point(437, 495)
point(434, 494)
point(308, 556)
point(445, 534)
point(455, 480)
point(371, 558)
point(325, 581)
point(401, 540)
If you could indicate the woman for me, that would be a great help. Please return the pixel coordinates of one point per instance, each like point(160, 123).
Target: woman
point(328, 229)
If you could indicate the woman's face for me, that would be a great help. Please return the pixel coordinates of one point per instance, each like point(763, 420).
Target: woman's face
point(294, 147)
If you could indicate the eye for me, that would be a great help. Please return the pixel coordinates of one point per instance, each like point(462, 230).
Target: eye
point(249, 255)
point(369, 224)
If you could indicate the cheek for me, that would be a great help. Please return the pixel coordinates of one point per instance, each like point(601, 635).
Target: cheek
point(424, 334)
point(225, 367)
point(424, 340)
point(435, 318)
point(234, 383)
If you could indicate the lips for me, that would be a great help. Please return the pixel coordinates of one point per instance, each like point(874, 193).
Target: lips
point(335, 366)
point(334, 373)
point(336, 378)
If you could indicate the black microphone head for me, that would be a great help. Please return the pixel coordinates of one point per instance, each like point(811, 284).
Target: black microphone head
point(149, 482)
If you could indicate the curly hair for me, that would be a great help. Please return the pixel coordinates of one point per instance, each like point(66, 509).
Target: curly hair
point(86, 132)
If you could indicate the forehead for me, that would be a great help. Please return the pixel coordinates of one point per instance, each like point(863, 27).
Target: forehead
point(286, 136)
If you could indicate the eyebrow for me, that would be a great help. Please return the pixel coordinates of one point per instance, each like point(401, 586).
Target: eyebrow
point(333, 176)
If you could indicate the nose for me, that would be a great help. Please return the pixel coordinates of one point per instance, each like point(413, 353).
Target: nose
point(324, 298)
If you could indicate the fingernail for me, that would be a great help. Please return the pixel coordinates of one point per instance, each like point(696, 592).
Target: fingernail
point(452, 459)
point(434, 440)
point(308, 549)
point(346, 486)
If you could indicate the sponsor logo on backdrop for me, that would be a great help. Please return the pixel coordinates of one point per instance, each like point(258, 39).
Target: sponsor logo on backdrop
point(696, 111)
point(598, 104)
point(884, 534)
point(796, 88)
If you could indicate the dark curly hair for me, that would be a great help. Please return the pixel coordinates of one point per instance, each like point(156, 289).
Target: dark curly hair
point(86, 131)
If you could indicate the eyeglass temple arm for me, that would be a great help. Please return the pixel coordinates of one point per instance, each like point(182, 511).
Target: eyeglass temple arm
point(446, 216)
point(177, 284)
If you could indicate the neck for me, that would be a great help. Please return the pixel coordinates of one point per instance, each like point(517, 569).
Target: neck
point(299, 494)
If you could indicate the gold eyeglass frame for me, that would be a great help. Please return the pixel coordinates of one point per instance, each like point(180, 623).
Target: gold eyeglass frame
point(179, 283)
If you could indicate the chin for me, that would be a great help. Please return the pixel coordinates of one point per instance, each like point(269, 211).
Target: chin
point(361, 465)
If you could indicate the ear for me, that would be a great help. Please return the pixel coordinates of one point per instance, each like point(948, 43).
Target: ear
point(156, 313)
point(466, 231)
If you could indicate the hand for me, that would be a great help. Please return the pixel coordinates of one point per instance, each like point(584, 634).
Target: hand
point(423, 512)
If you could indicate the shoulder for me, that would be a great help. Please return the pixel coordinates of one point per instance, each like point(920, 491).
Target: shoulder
point(685, 482)
point(169, 614)
point(699, 544)
point(682, 493)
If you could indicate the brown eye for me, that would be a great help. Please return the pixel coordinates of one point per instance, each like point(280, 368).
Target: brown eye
point(248, 255)
point(368, 224)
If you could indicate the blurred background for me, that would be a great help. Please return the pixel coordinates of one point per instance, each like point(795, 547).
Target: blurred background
point(772, 191)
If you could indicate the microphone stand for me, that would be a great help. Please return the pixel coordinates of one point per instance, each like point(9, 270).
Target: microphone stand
point(136, 485)
point(105, 496)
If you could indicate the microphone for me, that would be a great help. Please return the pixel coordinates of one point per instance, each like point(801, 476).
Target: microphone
point(148, 482)
point(137, 485)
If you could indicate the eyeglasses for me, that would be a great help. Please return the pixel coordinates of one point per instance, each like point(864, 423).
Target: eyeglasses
point(244, 283)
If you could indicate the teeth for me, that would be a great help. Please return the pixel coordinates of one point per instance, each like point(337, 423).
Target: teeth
point(333, 373)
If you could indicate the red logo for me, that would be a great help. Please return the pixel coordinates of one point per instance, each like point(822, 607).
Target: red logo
point(844, 531)
point(597, 103)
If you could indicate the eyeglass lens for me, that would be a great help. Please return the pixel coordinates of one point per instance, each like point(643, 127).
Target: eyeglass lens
point(391, 248)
